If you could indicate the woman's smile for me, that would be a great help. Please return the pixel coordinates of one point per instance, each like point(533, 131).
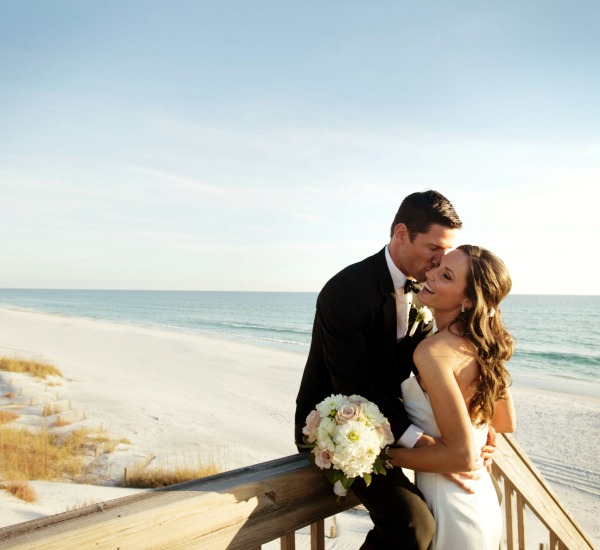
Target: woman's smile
point(427, 289)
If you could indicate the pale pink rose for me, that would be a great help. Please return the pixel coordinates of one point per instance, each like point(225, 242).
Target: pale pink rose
point(387, 433)
point(348, 412)
point(358, 399)
point(322, 458)
point(312, 425)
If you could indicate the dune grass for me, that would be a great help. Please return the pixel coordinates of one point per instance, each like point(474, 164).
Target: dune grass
point(49, 454)
point(7, 416)
point(51, 409)
point(39, 369)
point(42, 455)
point(152, 478)
point(20, 489)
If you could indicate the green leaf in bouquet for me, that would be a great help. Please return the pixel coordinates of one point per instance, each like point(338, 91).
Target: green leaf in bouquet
point(346, 482)
point(306, 444)
point(334, 475)
point(378, 467)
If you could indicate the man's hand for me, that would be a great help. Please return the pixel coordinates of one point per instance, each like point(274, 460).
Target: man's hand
point(459, 479)
point(487, 453)
point(488, 450)
point(462, 478)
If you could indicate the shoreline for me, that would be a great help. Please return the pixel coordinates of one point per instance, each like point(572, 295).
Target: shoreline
point(285, 346)
point(565, 385)
point(174, 393)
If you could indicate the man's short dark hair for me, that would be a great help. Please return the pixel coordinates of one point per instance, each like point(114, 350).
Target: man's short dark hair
point(419, 211)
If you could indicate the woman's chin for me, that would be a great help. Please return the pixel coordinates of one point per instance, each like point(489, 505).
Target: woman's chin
point(425, 297)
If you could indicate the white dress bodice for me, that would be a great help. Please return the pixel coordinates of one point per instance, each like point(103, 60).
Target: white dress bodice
point(463, 521)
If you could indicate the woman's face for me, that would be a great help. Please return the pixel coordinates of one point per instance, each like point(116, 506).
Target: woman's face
point(445, 284)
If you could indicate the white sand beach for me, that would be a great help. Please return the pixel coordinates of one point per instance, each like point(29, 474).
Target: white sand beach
point(176, 394)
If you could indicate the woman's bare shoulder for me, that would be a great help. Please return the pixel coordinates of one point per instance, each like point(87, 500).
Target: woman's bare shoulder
point(443, 347)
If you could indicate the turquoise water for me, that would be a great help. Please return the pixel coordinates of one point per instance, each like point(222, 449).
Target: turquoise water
point(557, 337)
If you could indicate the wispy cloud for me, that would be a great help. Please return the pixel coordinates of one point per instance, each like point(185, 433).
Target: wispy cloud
point(180, 182)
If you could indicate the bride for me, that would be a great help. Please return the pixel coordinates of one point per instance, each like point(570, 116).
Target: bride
point(462, 389)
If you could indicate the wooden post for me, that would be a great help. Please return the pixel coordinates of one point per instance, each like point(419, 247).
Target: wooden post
point(521, 521)
point(317, 535)
point(508, 509)
point(288, 541)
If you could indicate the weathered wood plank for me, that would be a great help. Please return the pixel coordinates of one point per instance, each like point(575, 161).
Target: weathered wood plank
point(317, 535)
point(240, 509)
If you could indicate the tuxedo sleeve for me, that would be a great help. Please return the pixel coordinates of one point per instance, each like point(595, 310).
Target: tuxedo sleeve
point(348, 330)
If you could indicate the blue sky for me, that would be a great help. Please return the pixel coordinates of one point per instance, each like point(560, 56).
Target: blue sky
point(254, 145)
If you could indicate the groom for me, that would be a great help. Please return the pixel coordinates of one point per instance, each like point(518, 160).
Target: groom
point(360, 345)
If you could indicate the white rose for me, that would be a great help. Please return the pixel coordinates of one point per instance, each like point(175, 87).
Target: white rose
point(373, 414)
point(325, 432)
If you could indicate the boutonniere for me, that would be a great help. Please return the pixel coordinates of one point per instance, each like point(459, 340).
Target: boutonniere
point(423, 314)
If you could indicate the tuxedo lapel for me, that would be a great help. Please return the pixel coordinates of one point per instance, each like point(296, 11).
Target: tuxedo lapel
point(387, 292)
point(412, 314)
point(390, 317)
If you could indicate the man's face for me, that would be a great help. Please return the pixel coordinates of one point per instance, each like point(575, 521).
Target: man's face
point(425, 251)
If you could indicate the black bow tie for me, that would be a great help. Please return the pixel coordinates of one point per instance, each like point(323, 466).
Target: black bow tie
point(412, 286)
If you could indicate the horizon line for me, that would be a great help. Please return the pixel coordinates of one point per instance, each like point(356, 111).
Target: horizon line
point(240, 291)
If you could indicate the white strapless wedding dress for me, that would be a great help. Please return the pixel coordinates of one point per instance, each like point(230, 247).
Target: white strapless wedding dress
point(463, 521)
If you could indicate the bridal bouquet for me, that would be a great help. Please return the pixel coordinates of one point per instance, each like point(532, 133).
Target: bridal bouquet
point(347, 436)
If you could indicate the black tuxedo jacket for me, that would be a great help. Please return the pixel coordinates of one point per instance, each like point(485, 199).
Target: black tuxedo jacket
point(354, 349)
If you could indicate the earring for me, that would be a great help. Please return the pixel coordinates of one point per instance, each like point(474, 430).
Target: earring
point(462, 309)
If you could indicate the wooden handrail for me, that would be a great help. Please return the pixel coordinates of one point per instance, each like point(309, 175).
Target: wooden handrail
point(522, 479)
point(240, 509)
point(245, 508)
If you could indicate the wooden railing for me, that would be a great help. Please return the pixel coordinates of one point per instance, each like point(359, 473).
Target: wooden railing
point(246, 508)
point(524, 487)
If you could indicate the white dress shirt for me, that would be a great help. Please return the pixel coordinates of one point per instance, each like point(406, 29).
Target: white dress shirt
point(403, 303)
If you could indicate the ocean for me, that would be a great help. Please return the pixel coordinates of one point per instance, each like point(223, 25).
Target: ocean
point(557, 337)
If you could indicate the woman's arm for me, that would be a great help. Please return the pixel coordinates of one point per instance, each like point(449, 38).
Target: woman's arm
point(454, 450)
point(505, 418)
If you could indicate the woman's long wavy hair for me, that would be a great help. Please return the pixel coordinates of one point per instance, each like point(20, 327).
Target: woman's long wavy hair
point(488, 282)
